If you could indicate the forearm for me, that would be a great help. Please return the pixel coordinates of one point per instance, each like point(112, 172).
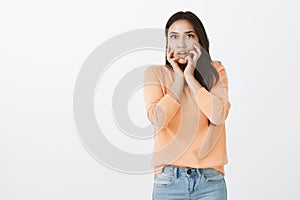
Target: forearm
point(214, 104)
point(177, 88)
point(193, 84)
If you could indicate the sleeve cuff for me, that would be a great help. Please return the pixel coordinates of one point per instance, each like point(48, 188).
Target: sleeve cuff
point(169, 104)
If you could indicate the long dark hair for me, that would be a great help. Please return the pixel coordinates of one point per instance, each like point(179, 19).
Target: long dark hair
point(206, 75)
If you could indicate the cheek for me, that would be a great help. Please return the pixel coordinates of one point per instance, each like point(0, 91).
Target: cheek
point(190, 44)
point(172, 44)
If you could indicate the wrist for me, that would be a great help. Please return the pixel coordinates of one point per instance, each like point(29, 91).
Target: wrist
point(173, 95)
point(179, 76)
point(189, 72)
point(188, 75)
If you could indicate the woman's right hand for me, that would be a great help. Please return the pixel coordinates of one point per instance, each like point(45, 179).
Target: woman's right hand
point(173, 61)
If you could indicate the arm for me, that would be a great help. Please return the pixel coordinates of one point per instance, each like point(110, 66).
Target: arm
point(214, 104)
point(177, 88)
point(160, 107)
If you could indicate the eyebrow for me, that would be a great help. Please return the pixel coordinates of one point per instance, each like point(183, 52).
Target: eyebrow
point(174, 32)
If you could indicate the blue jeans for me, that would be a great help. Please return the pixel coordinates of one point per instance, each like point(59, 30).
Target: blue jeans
point(189, 183)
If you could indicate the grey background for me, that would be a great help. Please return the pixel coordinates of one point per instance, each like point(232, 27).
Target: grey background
point(43, 45)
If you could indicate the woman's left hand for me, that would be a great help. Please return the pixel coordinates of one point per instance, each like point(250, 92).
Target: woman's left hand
point(192, 59)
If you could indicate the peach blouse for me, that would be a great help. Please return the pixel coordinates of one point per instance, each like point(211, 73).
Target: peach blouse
point(183, 137)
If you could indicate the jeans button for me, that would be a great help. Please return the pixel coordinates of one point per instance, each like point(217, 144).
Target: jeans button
point(189, 171)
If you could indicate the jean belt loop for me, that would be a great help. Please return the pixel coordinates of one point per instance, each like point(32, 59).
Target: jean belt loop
point(175, 172)
point(199, 170)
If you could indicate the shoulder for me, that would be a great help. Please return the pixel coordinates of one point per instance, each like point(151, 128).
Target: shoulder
point(219, 67)
point(153, 67)
point(155, 70)
point(217, 64)
point(221, 70)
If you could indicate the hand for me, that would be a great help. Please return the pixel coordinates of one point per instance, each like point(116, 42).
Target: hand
point(192, 59)
point(173, 61)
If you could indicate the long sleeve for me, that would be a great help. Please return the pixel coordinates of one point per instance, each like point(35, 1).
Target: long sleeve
point(160, 107)
point(215, 104)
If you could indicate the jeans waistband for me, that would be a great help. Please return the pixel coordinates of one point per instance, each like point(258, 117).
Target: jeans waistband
point(183, 170)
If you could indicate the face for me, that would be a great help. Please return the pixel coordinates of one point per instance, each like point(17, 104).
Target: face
point(181, 39)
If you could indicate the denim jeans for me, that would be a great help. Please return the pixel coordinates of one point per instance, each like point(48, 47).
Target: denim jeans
point(189, 183)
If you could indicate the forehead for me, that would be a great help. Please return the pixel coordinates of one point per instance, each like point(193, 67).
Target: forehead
point(181, 26)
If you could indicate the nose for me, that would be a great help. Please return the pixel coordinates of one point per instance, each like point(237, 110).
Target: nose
point(181, 43)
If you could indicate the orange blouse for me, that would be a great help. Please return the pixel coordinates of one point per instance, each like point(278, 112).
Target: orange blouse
point(183, 137)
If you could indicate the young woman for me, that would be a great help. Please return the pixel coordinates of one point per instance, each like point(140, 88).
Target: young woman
point(187, 102)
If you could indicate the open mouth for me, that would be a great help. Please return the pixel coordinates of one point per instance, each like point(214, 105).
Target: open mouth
point(182, 54)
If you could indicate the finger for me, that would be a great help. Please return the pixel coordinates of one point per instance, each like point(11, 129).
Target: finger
point(174, 63)
point(169, 49)
point(193, 52)
point(177, 69)
point(188, 58)
point(197, 48)
point(169, 53)
point(172, 53)
point(195, 55)
point(174, 60)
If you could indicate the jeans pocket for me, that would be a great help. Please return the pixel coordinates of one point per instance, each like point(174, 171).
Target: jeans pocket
point(212, 175)
point(164, 178)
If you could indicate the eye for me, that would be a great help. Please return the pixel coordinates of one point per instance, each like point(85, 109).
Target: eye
point(173, 36)
point(190, 36)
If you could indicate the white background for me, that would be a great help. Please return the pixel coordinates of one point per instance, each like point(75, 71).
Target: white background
point(43, 45)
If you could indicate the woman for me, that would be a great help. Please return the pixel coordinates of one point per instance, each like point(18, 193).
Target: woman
point(187, 102)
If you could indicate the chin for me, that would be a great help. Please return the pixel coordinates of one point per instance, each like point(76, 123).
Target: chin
point(182, 61)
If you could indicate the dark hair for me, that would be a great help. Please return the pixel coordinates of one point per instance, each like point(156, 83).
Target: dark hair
point(204, 74)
